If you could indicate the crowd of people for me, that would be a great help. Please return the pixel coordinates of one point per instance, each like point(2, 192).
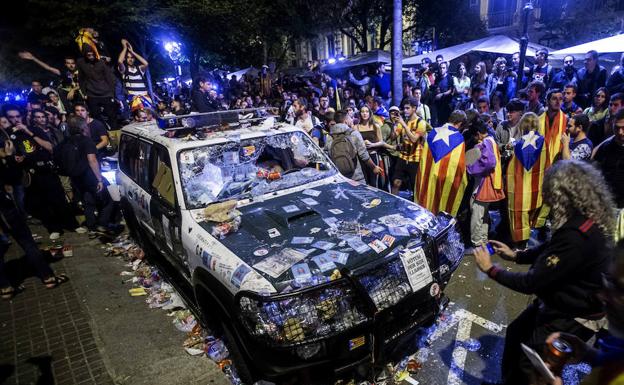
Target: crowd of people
point(539, 145)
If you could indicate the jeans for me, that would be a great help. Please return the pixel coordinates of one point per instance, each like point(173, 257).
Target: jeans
point(479, 220)
point(13, 223)
point(86, 186)
point(109, 114)
point(47, 198)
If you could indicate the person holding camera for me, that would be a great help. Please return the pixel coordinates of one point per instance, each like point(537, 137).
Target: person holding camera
point(566, 272)
point(410, 136)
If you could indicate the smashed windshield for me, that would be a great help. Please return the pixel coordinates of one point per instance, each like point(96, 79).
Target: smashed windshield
point(250, 167)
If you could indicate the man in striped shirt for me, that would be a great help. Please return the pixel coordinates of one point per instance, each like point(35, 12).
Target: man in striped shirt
point(133, 75)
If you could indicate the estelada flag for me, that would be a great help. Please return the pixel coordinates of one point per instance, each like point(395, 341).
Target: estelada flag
point(525, 174)
point(552, 134)
point(552, 137)
point(441, 179)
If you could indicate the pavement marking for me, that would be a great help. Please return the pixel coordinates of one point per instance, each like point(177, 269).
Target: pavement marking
point(464, 319)
point(456, 371)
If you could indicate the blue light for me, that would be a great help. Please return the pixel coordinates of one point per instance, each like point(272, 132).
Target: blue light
point(18, 98)
point(171, 46)
point(331, 60)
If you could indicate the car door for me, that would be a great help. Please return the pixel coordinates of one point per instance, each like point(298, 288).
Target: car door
point(134, 166)
point(164, 208)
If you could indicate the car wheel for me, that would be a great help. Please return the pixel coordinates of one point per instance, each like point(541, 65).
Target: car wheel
point(131, 222)
point(238, 360)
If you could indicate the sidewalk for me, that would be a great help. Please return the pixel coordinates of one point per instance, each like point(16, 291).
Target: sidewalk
point(90, 331)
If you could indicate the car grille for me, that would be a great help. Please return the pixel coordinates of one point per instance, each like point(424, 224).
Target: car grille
point(305, 316)
point(387, 284)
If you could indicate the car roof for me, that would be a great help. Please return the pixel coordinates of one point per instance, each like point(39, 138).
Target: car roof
point(152, 132)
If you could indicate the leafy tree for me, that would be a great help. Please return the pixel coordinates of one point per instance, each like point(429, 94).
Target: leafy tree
point(454, 21)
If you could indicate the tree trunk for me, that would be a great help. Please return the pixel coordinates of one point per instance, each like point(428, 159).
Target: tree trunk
point(397, 52)
point(194, 63)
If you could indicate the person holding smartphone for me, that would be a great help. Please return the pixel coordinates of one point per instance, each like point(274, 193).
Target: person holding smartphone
point(566, 273)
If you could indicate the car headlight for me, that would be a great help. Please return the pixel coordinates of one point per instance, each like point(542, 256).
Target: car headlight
point(449, 244)
point(302, 316)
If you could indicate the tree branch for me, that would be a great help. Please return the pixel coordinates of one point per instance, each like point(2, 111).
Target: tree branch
point(355, 39)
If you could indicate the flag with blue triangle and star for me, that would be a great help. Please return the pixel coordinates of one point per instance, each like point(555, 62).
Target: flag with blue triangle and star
point(442, 179)
point(525, 174)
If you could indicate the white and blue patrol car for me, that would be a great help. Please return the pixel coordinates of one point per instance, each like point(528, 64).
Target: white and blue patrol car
point(299, 267)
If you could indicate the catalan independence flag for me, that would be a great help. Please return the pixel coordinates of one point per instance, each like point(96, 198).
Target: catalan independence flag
point(525, 174)
point(441, 179)
point(552, 134)
point(552, 137)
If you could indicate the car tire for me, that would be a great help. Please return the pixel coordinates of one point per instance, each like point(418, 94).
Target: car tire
point(238, 360)
point(131, 222)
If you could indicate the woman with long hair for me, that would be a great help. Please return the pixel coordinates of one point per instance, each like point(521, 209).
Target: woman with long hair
point(479, 77)
point(371, 133)
point(566, 272)
point(462, 80)
point(525, 173)
point(462, 85)
point(600, 105)
point(497, 109)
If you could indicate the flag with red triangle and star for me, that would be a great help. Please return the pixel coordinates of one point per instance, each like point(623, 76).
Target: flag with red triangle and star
point(441, 178)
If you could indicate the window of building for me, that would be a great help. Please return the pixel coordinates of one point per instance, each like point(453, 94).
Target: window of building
point(331, 46)
point(501, 13)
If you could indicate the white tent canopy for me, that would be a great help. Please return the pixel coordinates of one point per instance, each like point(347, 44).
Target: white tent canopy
point(249, 70)
point(613, 44)
point(500, 44)
point(370, 57)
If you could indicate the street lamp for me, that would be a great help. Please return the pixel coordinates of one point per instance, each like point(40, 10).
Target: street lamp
point(174, 50)
point(524, 43)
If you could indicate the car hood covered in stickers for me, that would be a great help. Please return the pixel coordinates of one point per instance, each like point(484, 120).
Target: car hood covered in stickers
point(306, 236)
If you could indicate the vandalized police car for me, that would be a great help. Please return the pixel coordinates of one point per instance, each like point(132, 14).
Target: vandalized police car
point(300, 267)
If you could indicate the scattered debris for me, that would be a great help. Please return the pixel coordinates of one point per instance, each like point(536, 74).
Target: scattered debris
point(147, 281)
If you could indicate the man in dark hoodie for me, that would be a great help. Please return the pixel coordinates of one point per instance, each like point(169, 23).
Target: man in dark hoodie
point(97, 83)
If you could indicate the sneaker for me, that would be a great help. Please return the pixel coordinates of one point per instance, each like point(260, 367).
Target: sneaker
point(81, 230)
point(54, 236)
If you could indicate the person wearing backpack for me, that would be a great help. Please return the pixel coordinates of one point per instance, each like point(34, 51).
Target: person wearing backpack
point(45, 197)
point(345, 146)
point(76, 157)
